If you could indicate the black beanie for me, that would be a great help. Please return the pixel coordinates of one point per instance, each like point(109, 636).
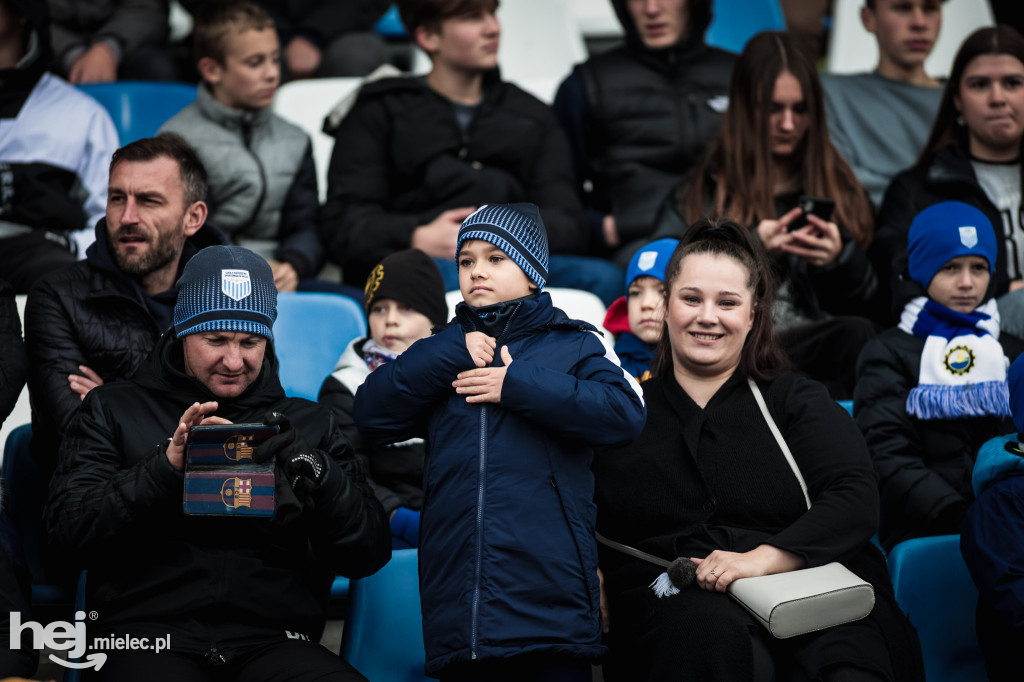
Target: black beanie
point(410, 277)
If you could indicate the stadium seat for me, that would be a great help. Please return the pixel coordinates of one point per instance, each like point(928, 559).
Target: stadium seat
point(139, 108)
point(390, 25)
point(383, 636)
point(846, 405)
point(737, 21)
point(310, 334)
point(935, 590)
point(852, 49)
point(20, 475)
point(306, 103)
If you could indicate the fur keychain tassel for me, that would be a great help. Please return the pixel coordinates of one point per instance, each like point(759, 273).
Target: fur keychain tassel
point(680, 574)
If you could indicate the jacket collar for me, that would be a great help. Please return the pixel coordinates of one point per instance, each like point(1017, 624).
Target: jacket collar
point(951, 165)
point(530, 314)
point(226, 117)
point(670, 58)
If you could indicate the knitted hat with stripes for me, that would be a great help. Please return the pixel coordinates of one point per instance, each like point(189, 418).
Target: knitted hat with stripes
point(516, 229)
point(226, 288)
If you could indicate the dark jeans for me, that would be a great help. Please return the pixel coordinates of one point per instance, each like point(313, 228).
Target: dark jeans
point(27, 257)
point(288, 660)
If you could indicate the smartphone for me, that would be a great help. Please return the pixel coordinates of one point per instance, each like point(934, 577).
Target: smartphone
point(819, 206)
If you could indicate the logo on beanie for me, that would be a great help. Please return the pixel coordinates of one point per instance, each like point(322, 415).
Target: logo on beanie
point(969, 236)
point(373, 282)
point(647, 260)
point(959, 360)
point(235, 284)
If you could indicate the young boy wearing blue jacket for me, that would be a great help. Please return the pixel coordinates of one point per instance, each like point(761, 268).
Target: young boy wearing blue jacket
point(512, 397)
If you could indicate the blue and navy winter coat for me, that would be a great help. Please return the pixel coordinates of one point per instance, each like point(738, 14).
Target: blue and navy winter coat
point(508, 561)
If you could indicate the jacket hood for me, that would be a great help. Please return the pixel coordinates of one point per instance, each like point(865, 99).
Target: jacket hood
point(997, 457)
point(698, 21)
point(164, 372)
point(16, 83)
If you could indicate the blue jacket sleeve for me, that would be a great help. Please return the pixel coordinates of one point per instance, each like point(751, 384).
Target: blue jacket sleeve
point(990, 541)
point(393, 401)
point(596, 402)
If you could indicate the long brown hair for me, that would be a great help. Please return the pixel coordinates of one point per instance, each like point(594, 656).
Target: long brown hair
point(741, 152)
point(994, 40)
point(762, 357)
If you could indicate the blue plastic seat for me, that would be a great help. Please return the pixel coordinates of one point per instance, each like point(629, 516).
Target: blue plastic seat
point(390, 25)
point(383, 636)
point(936, 592)
point(310, 334)
point(139, 108)
point(737, 21)
point(21, 475)
point(846, 405)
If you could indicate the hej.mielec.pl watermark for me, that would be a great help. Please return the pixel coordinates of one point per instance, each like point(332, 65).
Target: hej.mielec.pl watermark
point(64, 636)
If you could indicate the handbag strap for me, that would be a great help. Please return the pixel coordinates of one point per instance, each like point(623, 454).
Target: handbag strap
point(779, 439)
point(632, 551)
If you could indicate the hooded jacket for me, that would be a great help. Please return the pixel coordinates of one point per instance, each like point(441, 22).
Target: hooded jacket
point(639, 118)
point(262, 189)
point(508, 560)
point(214, 584)
point(55, 145)
point(400, 159)
point(91, 314)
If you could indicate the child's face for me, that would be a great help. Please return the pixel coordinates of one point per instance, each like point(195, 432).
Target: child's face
point(488, 276)
point(467, 43)
point(396, 326)
point(961, 283)
point(251, 71)
point(645, 304)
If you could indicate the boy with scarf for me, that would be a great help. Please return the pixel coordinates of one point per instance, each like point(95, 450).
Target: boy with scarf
point(404, 301)
point(932, 390)
point(636, 319)
point(512, 397)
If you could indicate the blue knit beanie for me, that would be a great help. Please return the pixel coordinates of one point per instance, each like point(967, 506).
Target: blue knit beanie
point(226, 288)
point(651, 260)
point(516, 229)
point(944, 231)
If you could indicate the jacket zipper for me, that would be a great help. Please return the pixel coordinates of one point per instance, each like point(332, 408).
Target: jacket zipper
point(481, 474)
point(247, 141)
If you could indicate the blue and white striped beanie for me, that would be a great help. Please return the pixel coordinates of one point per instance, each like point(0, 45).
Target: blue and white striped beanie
point(226, 288)
point(516, 229)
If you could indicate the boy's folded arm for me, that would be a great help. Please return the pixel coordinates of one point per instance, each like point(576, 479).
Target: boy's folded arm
point(391, 402)
point(598, 403)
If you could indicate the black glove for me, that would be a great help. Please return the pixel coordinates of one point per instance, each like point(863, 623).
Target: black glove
point(303, 466)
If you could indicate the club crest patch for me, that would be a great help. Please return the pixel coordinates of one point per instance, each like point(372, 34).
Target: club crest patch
point(235, 284)
point(959, 360)
point(236, 492)
point(647, 260)
point(969, 236)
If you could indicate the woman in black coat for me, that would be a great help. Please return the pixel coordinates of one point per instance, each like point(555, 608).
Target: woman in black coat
point(707, 480)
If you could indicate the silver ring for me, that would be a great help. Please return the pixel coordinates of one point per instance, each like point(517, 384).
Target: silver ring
point(712, 571)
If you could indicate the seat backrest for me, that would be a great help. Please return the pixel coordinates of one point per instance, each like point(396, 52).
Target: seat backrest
point(853, 50)
point(936, 592)
point(383, 636)
point(310, 334)
point(139, 108)
point(306, 103)
point(737, 21)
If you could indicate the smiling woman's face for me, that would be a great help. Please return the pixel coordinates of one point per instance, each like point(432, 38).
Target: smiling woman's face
point(710, 312)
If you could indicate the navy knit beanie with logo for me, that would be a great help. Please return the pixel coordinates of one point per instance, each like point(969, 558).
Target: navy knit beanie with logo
point(410, 277)
point(226, 288)
point(944, 231)
point(516, 229)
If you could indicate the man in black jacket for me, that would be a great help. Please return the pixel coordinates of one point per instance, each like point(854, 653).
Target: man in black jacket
point(240, 598)
point(416, 156)
point(640, 116)
point(98, 319)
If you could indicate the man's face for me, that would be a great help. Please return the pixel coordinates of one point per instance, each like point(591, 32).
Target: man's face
point(225, 362)
point(906, 29)
point(147, 219)
point(660, 23)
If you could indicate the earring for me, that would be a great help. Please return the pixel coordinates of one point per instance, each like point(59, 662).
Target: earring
point(960, 120)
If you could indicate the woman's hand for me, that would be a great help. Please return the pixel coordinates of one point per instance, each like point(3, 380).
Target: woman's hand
point(819, 243)
point(718, 569)
point(774, 234)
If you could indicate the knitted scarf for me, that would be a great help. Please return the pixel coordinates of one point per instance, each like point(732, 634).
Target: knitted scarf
point(963, 369)
point(376, 355)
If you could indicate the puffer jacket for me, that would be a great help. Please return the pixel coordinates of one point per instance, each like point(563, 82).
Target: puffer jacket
point(508, 560)
point(923, 466)
point(638, 119)
point(214, 584)
point(90, 314)
point(396, 470)
point(12, 352)
point(400, 160)
point(262, 190)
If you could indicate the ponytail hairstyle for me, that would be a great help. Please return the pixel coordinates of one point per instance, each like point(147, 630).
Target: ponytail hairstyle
point(762, 358)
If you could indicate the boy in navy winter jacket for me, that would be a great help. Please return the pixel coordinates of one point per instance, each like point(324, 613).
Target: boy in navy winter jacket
point(511, 397)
